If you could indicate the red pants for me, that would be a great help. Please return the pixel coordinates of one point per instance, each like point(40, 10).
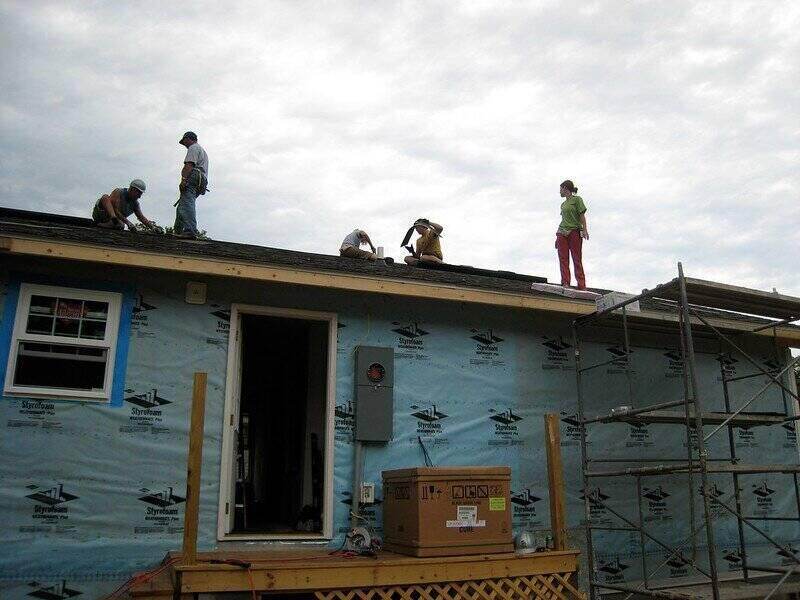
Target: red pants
point(566, 245)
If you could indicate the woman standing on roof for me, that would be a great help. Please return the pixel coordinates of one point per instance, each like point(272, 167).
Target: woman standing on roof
point(570, 235)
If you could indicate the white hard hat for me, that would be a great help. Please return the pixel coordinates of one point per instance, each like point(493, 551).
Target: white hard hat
point(139, 185)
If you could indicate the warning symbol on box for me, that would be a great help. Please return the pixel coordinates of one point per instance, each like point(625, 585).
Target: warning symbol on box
point(402, 492)
point(483, 491)
point(427, 492)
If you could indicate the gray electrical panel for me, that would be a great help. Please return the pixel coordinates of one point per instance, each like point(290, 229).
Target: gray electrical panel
point(374, 393)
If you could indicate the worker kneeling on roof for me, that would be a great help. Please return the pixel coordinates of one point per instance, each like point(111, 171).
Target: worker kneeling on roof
point(351, 246)
point(112, 210)
point(428, 249)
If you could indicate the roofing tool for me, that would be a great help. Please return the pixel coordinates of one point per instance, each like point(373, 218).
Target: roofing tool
point(405, 243)
point(407, 238)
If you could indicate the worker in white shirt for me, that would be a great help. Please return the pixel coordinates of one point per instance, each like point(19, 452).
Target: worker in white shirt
point(194, 183)
point(351, 246)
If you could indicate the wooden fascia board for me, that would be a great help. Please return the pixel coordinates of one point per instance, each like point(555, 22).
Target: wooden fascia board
point(343, 281)
point(259, 272)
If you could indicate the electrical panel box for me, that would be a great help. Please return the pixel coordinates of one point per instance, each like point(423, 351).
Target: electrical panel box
point(374, 393)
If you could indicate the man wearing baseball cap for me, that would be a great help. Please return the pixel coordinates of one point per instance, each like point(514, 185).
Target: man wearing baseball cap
point(194, 183)
point(112, 210)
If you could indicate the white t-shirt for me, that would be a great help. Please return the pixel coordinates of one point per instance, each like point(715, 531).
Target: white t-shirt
point(353, 239)
point(195, 154)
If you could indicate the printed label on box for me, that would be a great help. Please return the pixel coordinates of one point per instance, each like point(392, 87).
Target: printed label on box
point(467, 513)
point(466, 517)
point(497, 503)
point(460, 524)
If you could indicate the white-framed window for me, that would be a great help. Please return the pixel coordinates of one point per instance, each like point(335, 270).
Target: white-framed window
point(63, 344)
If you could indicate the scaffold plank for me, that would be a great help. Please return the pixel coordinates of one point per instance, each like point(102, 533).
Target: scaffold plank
point(709, 418)
point(735, 298)
point(684, 468)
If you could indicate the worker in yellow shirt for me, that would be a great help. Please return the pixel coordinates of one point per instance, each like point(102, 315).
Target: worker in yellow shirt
point(428, 248)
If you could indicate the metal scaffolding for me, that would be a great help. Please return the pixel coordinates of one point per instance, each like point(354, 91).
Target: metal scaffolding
point(691, 300)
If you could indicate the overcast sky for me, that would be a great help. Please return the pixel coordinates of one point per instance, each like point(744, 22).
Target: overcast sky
point(678, 121)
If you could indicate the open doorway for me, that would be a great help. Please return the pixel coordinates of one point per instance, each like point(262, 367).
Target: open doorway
point(278, 438)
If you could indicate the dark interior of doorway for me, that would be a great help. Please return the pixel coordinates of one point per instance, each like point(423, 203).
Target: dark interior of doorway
point(280, 444)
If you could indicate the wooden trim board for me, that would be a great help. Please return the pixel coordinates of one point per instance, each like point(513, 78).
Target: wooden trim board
point(307, 574)
point(194, 463)
point(343, 281)
point(555, 480)
point(326, 279)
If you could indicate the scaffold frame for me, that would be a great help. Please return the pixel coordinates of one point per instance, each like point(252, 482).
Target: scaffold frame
point(691, 298)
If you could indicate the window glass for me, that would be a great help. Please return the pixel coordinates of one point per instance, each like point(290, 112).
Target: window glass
point(96, 352)
point(60, 366)
point(40, 315)
point(43, 305)
point(40, 325)
point(95, 310)
point(67, 317)
point(67, 327)
point(95, 330)
point(69, 309)
point(65, 343)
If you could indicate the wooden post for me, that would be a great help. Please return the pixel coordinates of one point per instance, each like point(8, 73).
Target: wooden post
point(555, 480)
point(193, 466)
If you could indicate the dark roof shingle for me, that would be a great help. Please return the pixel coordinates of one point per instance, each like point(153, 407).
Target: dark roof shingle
point(80, 230)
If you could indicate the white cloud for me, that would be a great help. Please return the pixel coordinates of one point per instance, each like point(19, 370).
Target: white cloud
point(678, 121)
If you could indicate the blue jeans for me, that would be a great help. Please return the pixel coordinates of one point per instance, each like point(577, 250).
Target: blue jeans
point(185, 214)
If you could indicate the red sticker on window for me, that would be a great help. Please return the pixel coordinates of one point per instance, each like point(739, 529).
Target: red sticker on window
point(70, 309)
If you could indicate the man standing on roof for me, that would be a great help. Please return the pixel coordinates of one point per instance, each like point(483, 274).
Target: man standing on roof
point(194, 183)
point(112, 210)
point(428, 249)
point(570, 235)
point(351, 246)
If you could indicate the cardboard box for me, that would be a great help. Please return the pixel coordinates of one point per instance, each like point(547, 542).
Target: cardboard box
point(447, 511)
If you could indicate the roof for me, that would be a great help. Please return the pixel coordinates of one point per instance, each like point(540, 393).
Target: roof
point(80, 230)
point(31, 233)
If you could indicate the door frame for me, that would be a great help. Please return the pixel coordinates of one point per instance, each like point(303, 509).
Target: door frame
point(230, 422)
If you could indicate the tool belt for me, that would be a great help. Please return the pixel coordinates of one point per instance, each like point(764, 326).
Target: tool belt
point(198, 181)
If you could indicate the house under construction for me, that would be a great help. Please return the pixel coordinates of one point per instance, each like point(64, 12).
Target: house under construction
point(674, 407)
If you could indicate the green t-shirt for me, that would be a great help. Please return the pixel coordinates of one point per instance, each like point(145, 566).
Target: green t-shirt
point(571, 210)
